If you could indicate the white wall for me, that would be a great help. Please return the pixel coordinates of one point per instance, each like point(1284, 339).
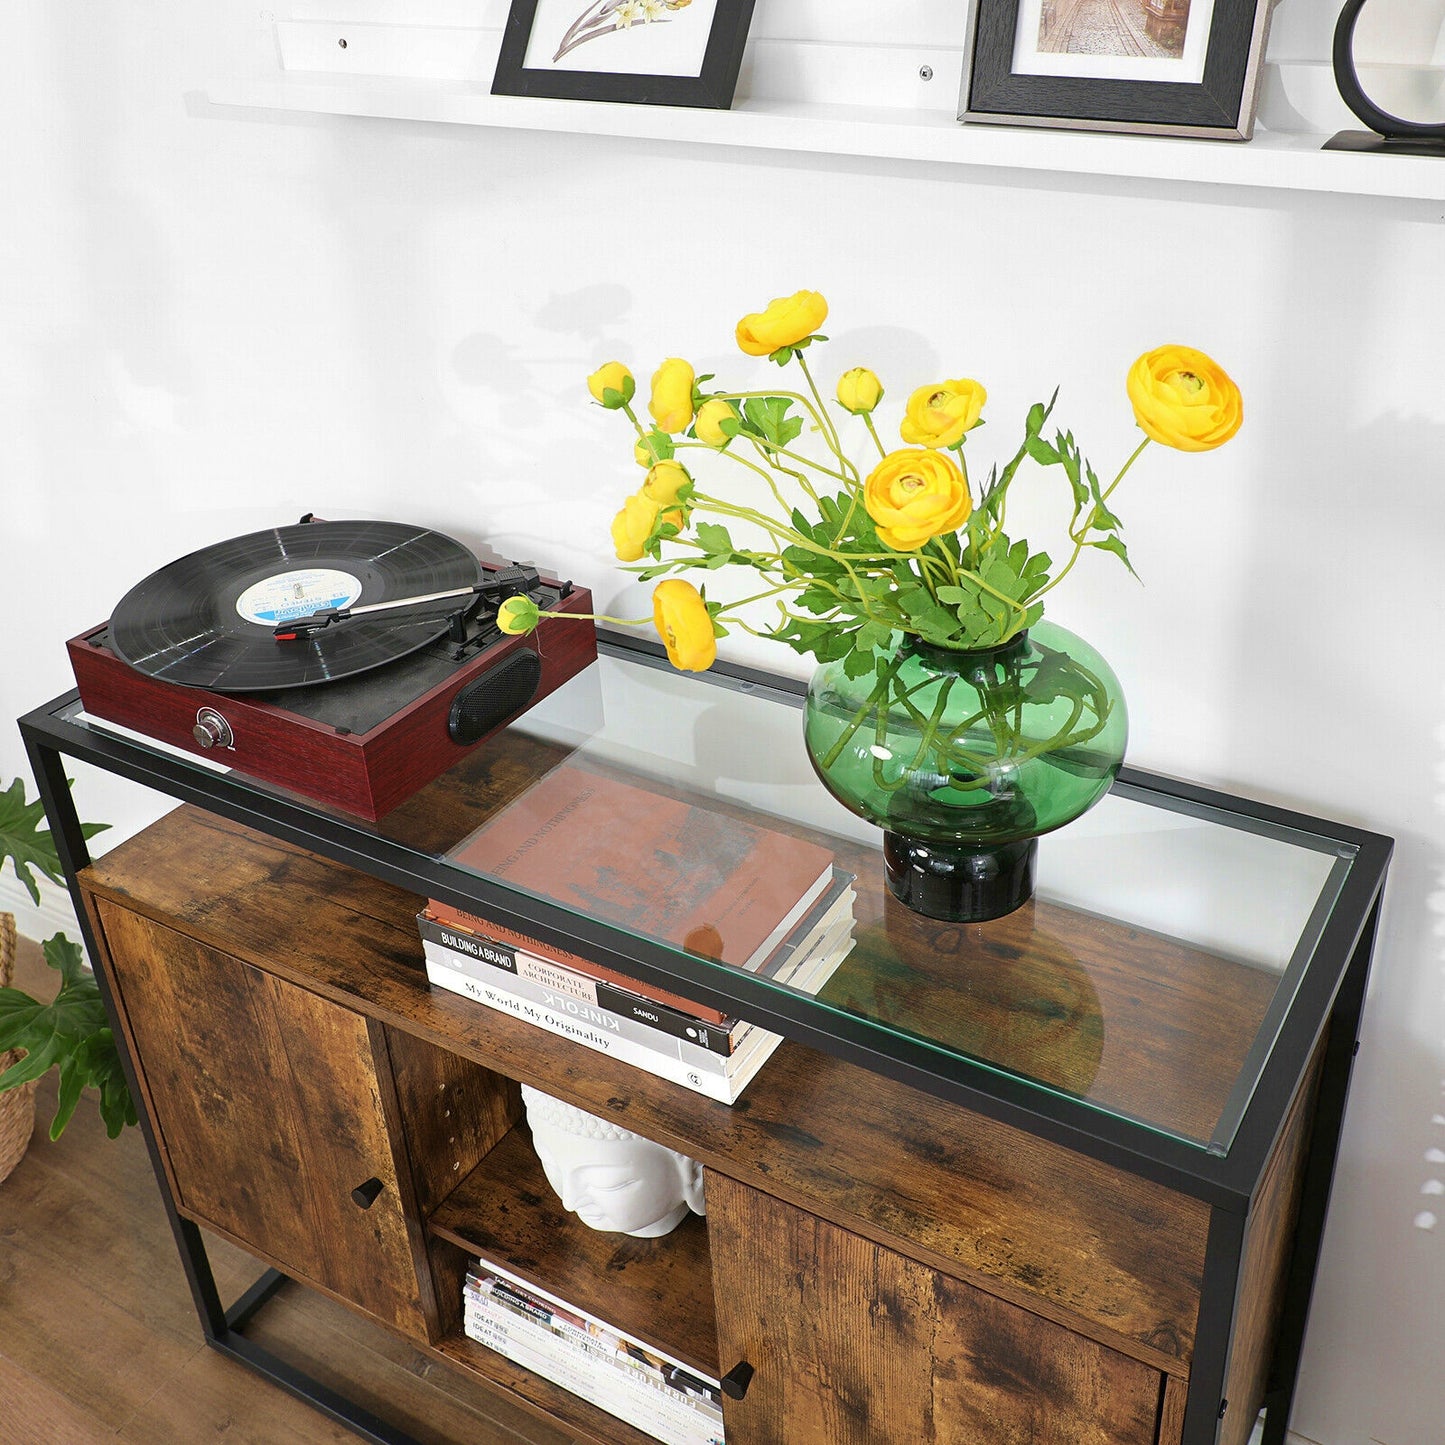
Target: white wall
point(214, 320)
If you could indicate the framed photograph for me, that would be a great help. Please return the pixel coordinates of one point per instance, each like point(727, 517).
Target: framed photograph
point(1156, 67)
point(648, 52)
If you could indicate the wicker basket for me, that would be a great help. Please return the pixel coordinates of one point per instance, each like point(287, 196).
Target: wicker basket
point(17, 1106)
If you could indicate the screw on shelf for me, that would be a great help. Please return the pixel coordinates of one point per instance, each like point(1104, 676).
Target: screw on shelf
point(342, 43)
point(925, 72)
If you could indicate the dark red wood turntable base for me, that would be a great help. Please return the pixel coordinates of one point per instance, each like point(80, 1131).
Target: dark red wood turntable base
point(364, 773)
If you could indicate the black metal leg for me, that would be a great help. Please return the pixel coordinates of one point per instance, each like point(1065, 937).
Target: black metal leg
point(1319, 1172)
point(1205, 1402)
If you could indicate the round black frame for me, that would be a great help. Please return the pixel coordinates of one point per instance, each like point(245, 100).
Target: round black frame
point(1392, 127)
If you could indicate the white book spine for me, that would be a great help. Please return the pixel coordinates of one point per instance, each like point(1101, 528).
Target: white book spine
point(712, 1085)
point(580, 1011)
point(575, 1367)
point(484, 1268)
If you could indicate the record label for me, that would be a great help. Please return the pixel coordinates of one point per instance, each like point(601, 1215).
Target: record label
point(289, 595)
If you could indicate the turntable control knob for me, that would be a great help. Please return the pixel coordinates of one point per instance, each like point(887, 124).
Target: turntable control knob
point(212, 730)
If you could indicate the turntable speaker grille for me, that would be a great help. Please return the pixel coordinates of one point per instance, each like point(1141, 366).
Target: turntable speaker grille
point(488, 702)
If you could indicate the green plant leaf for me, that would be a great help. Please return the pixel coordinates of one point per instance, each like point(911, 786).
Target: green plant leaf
point(1117, 547)
point(71, 1033)
point(659, 444)
point(1041, 451)
point(23, 841)
point(767, 417)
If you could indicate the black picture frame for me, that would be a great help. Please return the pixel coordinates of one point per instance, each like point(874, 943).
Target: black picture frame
point(712, 88)
point(1220, 106)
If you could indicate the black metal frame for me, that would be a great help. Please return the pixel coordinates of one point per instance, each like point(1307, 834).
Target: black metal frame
point(1330, 995)
point(1221, 104)
point(712, 88)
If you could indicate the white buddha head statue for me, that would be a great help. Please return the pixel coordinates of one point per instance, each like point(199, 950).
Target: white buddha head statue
point(610, 1178)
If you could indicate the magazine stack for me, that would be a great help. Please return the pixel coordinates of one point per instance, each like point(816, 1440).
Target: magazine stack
point(720, 887)
point(624, 1376)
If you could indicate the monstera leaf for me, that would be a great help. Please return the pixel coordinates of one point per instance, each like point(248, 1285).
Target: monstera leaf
point(71, 1034)
point(26, 843)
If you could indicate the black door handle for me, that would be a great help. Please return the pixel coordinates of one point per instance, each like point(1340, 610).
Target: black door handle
point(364, 1195)
point(735, 1383)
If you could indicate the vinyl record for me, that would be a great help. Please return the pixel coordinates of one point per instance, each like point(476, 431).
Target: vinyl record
point(208, 619)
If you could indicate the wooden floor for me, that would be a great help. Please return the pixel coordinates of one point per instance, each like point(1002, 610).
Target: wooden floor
point(99, 1340)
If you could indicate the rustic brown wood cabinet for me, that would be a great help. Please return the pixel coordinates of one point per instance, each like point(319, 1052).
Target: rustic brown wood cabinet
point(1096, 1226)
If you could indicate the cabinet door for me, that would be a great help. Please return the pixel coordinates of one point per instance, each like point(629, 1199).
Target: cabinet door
point(266, 1101)
point(852, 1343)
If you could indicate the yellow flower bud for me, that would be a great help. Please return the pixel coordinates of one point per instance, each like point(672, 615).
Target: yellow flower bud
point(787, 321)
point(518, 616)
point(614, 378)
point(938, 415)
point(859, 391)
point(663, 481)
point(1184, 399)
point(710, 417)
point(682, 621)
point(671, 404)
point(914, 494)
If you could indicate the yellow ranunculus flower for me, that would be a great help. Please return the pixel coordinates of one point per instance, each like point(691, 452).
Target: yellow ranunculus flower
point(859, 391)
point(632, 526)
point(787, 321)
point(611, 376)
point(518, 616)
point(1184, 399)
point(710, 417)
point(663, 480)
point(915, 494)
point(682, 621)
point(939, 415)
point(671, 404)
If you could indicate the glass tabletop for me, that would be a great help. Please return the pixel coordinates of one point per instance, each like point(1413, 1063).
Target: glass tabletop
point(1146, 980)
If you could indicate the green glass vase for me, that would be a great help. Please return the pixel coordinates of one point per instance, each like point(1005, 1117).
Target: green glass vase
point(965, 756)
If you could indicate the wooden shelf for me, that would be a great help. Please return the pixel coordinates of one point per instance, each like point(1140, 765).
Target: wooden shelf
point(1273, 159)
point(659, 1290)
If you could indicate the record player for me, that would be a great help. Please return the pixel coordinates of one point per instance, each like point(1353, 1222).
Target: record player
point(351, 662)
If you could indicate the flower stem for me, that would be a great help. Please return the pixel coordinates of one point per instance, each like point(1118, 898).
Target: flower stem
point(1080, 541)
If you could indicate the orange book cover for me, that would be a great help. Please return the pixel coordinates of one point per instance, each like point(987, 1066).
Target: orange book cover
point(721, 887)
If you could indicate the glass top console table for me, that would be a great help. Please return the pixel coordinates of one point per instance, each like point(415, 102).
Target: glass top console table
point(1192, 965)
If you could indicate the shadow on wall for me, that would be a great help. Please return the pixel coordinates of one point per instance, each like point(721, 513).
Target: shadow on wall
point(1339, 684)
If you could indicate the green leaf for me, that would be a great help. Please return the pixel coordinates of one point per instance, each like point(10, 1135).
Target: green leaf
point(71, 1033)
point(26, 844)
point(874, 635)
point(1117, 547)
point(713, 537)
point(659, 444)
point(1041, 451)
point(767, 417)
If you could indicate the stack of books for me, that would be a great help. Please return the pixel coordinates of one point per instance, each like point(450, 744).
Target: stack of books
point(724, 888)
point(625, 1376)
